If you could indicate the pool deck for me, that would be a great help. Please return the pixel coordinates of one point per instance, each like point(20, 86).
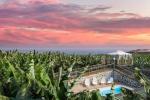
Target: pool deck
point(80, 87)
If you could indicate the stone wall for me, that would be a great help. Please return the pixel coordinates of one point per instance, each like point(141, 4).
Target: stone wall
point(125, 80)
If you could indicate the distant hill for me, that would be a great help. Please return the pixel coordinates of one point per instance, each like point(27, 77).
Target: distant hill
point(140, 51)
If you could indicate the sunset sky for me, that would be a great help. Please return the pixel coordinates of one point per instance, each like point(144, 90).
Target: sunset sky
point(118, 24)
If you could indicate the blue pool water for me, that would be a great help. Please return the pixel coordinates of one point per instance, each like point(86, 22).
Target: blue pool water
point(107, 90)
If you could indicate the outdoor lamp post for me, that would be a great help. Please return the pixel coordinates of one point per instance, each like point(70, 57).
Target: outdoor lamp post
point(112, 88)
point(114, 67)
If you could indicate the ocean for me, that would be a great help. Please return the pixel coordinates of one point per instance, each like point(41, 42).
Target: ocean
point(82, 51)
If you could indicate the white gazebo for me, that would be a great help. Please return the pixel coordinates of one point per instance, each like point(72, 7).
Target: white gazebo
point(122, 57)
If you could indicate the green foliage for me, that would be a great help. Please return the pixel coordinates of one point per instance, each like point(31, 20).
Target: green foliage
point(46, 76)
point(144, 80)
point(34, 75)
point(129, 95)
point(86, 95)
point(142, 60)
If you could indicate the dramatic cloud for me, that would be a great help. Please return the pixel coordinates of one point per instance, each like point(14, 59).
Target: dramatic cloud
point(99, 8)
point(108, 16)
point(13, 2)
point(52, 23)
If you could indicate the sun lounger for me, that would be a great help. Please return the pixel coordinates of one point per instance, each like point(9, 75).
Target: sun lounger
point(103, 81)
point(87, 82)
point(94, 81)
point(110, 80)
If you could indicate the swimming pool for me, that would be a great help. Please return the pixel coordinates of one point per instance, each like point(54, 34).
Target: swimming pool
point(107, 90)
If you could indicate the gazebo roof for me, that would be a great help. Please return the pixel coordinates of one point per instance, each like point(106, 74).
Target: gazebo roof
point(120, 53)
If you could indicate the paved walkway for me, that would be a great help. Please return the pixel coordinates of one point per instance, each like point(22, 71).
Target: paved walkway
point(80, 87)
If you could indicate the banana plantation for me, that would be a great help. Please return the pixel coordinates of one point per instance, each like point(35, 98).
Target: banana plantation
point(44, 76)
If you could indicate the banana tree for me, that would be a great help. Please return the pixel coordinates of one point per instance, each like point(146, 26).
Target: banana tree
point(144, 81)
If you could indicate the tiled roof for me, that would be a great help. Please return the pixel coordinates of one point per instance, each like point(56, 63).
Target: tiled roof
point(140, 51)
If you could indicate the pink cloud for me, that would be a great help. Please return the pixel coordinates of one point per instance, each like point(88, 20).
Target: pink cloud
point(38, 1)
point(68, 25)
point(49, 38)
point(21, 3)
point(108, 16)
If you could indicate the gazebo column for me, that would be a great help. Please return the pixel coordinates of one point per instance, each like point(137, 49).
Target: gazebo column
point(117, 60)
